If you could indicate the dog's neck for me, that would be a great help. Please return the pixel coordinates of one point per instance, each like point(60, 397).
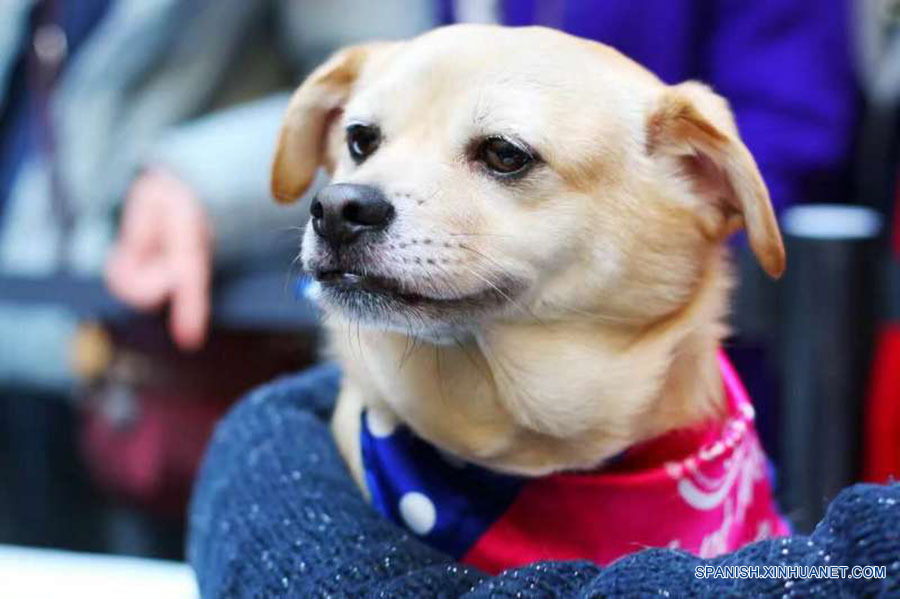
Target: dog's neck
point(537, 397)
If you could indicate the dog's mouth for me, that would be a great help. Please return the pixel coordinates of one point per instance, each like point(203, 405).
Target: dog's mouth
point(347, 281)
point(377, 296)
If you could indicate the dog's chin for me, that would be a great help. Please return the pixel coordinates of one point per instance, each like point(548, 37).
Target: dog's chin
point(382, 301)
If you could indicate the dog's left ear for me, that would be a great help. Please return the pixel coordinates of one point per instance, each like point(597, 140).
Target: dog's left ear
point(311, 111)
point(694, 126)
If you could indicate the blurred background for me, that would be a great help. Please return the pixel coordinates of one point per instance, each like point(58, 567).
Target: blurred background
point(147, 280)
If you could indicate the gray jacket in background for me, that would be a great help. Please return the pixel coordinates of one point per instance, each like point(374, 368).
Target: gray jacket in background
point(194, 86)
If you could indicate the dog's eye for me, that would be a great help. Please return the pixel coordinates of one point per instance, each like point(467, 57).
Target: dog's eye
point(503, 157)
point(362, 141)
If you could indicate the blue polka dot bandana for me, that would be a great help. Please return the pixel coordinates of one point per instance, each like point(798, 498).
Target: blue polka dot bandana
point(449, 503)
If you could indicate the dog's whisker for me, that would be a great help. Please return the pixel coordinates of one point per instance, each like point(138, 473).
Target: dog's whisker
point(476, 235)
point(592, 316)
point(409, 345)
point(454, 289)
point(465, 349)
point(437, 359)
point(503, 294)
point(504, 272)
point(291, 275)
point(289, 228)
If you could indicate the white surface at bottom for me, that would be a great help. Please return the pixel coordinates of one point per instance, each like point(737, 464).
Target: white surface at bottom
point(27, 573)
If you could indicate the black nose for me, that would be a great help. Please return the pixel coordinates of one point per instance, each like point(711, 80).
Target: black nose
point(343, 211)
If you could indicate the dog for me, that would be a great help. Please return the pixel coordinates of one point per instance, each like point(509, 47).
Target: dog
point(522, 262)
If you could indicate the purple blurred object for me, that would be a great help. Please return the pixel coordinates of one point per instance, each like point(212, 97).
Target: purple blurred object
point(785, 66)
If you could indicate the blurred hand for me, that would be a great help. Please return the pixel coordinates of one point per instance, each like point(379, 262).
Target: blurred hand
point(163, 255)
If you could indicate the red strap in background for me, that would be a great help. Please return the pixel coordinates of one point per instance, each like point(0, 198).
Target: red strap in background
point(882, 426)
point(881, 438)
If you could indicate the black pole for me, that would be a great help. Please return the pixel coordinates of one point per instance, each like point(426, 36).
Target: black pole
point(830, 299)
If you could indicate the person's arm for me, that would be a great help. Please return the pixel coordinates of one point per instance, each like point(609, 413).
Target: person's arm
point(275, 514)
point(787, 70)
point(225, 158)
point(203, 198)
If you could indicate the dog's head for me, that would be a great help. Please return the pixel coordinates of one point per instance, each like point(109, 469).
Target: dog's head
point(481, 172)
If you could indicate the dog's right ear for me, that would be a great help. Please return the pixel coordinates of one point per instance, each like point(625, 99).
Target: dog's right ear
point(310, 114)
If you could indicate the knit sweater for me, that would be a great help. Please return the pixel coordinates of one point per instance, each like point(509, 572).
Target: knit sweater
point(275, 514)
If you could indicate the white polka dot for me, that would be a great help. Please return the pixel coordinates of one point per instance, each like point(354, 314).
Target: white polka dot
point(380, 422)
point(418, 512)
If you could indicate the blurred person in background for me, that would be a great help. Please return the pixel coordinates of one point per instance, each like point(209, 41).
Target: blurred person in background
point(161, 115)
point(210, 177)
point(99, 101)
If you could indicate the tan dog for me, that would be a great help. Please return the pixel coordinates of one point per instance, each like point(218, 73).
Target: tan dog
point(521, 254)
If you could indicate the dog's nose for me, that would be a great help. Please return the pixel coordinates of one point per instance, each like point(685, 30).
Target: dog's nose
point(344, 211)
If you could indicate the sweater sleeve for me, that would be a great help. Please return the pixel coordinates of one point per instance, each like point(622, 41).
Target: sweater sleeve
point(275, 514)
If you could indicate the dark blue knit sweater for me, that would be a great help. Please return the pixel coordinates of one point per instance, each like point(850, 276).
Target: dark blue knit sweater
point(275, 514)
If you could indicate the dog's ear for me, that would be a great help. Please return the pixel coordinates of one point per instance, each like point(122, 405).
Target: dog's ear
point(310, 113)
point(694, 126)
